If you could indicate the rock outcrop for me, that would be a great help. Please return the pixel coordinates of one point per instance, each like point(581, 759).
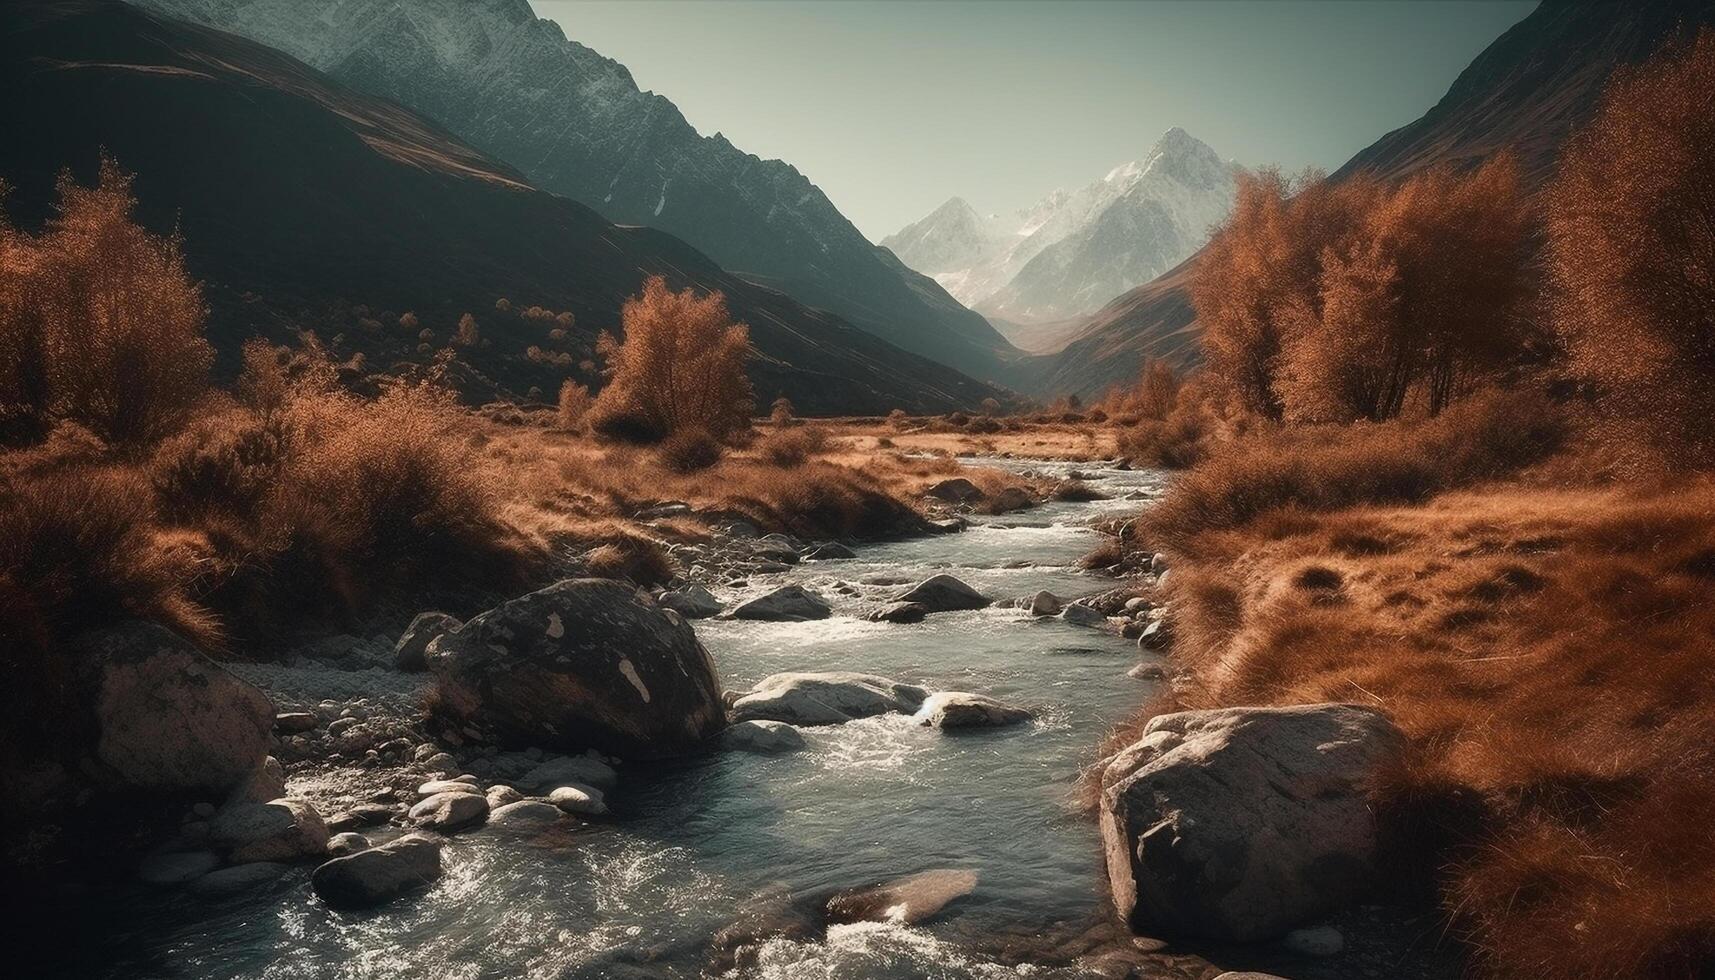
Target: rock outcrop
point(408, 652)
point(581, 663)
point(1239, 824)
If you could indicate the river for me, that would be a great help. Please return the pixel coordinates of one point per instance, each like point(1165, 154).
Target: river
point(691, 843)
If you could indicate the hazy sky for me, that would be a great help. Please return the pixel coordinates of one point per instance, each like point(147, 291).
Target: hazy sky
point(892, 106)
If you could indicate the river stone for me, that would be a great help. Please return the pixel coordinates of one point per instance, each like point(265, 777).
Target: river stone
point(279, 830)
point(581, 663)
point(361, 815)
point(582, 800)
point(165, 717)
point(294, 722)
point(901, 612)
point(499, 796)
point(1045, 603)
point(1148, 672)
point(339, 845)
point(775, 550)
point(943, 593)
point(957, 709)
point(238, 878)
point(789, 603)
point(1238, 824)
point(1079, 615)
point(371, 877)
point(828, 698)
point(1011, 499)
point(268, 782)
point(762, 737)
point(570, 769)
point(908, 901)
point(692, 602)
point(524, 815)
point(449, 811)
point(955, 490)
point(176, 867)
point(1137, 604)
point(1156, 636)
point(830, 551)
point(434, 786)
point(408, 653)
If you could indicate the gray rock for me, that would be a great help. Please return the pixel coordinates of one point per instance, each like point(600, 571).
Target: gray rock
point(943, 593)
point(829, 551)
point(1315, 941)
point(570, 769)
point(369, 878)
point(434, 786)
point(774, 550)
point(449, 811)
point(1080, 615)
point(294, 722)
point(955, 490)
point(958, 709)
point(789, 603)
point(238, 879)
point(408, 653)
point(499, 796)
point(176, 867)
point(901, 612)
point(692, 602)
point(909, 900)
point(1136, 604)
point(165, 717)
point(339, 845)
point(268, 782)
point(583, 800)
point(525, 815)
point(1156, 636)
point(361, 815)
point(278, 830)
point(581, 663)
point(829, 698)
point(1148, 672)
point(1239, 824)
point(1045, 603)
point(1158, 563)
point(762, 737)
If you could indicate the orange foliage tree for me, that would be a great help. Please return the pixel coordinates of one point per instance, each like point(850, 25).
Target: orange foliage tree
point(680, 365)
point(1631, 249)
point(100, 324)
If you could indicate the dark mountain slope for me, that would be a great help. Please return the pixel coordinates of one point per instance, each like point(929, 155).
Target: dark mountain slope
point(306, 205)
point(575, 123)
point(1528, 90)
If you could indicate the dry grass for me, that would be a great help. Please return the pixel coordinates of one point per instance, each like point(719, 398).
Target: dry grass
point(1547, 649)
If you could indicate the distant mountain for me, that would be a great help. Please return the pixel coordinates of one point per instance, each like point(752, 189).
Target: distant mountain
point(1528, 91)
point(1074, 251)
point(574, 123)
point(303, 204)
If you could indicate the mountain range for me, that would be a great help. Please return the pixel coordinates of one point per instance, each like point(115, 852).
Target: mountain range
point(303, 204)
point(574, 123)
point(1074, 251)
point(1527, 92)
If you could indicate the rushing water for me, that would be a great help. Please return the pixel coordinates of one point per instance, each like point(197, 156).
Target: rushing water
point(691, 843)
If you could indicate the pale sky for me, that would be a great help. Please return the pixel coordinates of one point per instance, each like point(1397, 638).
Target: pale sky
point(893, 106)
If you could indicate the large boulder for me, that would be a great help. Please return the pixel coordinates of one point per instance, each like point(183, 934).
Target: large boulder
point(955, 490)
point(943, 593)
point(958, 709)
point(371, 877)
point(1239, 824)
point(165, 717)
point(278, 830)
point(408, 653)
point(829, 698)
point(581, 663)
point(789, 603)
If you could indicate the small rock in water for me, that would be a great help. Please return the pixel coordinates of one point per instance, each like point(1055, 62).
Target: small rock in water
point(826, 698)
point(176, 867)
point(1045, 603)
point(763, 737)
point(944, 593)
point(339, 845)
point(566, 769)
point(1316, 941)
point(1083, 616)
point(901, 612)
point(1148, 672)
point(371, 877)
point(908, 901)
point(1156, 636)
point(830, 551)
point(450, 811)
point(525, 814)
point(584, 800)
point(237, 879)
point(692, 602)
point(787, 603)
point(957, 709)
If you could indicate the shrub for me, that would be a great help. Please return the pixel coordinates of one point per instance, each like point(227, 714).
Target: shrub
point(574, 403)
point(791, 447)
point(781, 411)
point(223, 464)
point(1629, 217)
point(689, 450)
point(100, 324)
point(469, 334)
point(681, 364)
point(640, 560)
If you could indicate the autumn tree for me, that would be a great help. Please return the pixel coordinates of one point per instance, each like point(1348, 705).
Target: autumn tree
point(680, 364)
point(781, 412)
point(469, 334)
point(574, 403)
point(1157, 390)
point(100, 323)
point(1631, 249)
